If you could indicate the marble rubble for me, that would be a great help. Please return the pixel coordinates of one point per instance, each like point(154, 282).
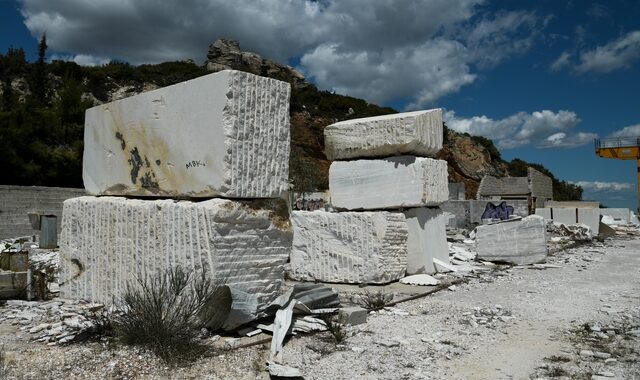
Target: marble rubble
point(416, 133)
point(223, 134)
point(519, 242)
point(106, 241)
point(348, 247)
point(388, 183)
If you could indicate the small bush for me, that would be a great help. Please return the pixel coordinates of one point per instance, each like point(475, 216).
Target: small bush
point(335, 326)
point(374, 300)
point(165, 312)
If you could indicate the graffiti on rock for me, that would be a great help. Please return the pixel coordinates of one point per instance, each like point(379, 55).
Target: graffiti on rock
point(502, 211)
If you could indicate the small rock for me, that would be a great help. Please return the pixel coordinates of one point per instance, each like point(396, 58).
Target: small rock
point(39, 328)
point(387, 343)
point(606, 374)
point(610, 361)
point(586, 353)
point(601, 355)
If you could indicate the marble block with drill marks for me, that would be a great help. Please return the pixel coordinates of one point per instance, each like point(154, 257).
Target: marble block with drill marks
point(389, 183)
point(348, 247)
point(224, 134)
point(416, 133)
point(106, 241)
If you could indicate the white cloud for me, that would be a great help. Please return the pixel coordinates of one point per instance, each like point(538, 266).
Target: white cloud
point(561, 62)
point(414, 50)
point(563, 140)
point(381, 77)
point(542, 129)
point(81, 59)
point(630, 131)
point(597, 186)
point(617, 54)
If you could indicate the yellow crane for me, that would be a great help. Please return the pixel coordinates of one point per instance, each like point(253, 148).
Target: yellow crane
point(622, 148)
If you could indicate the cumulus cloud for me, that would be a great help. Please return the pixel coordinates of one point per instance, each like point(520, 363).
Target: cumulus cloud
point(542, 129)
point(81, 59)
point(561, 62)
point(630, 131)
point(597, 186)
point(617, 54)
point(412, 50)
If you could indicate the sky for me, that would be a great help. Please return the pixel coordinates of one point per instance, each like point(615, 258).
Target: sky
point(541, 78)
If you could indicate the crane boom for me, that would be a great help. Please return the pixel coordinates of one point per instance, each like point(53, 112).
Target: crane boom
point(622, 148)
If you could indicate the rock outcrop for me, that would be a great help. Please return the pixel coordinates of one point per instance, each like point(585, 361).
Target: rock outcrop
point(225, 54)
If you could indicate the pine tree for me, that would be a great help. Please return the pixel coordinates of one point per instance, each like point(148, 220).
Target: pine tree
point(39, 84)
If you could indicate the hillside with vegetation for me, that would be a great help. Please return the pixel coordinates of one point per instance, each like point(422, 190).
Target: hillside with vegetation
point(43, 103)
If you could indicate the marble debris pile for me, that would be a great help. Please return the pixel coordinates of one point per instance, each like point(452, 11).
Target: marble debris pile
point(221, 135)
point(387, 189)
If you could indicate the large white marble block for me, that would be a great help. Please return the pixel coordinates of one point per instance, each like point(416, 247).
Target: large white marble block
point(565, 215)
point(591, 218)
point(106, 241)
point(389, 183)
point(416, 133)
point(348, 247)
point(427, 239)
point(519, 242)
point(223, 134)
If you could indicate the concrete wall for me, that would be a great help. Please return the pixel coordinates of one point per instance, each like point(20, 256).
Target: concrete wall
point(540, 185)
point(572, 204)
point(17, 201)
point(456, 191)
point(470, 211)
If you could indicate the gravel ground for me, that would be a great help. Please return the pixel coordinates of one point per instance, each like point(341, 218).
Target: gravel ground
point(581, 320)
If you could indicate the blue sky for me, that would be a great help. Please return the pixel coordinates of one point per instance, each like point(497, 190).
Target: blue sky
point(541, 78)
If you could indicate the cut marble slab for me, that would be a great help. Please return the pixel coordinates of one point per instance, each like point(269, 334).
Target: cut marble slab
point(427, 239)
point(348, 247)
point(519, 242)
point(389, 183)
point(591, 218)
point(544, 212)
point(565, 215)
point(224, 134)
point(416, 133)
point(107, 241)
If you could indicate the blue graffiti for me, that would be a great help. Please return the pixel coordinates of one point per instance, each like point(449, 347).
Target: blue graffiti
point(502, 211)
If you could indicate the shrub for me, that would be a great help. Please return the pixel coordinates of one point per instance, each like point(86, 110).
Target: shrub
point(374, 300)
point(166, 311)
point(335, 325)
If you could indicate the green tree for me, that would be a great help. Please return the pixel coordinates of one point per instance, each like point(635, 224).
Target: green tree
point(39, 85)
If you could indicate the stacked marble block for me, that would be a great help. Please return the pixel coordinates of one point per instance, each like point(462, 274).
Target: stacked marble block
point(387, 191)
point(220, 135)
